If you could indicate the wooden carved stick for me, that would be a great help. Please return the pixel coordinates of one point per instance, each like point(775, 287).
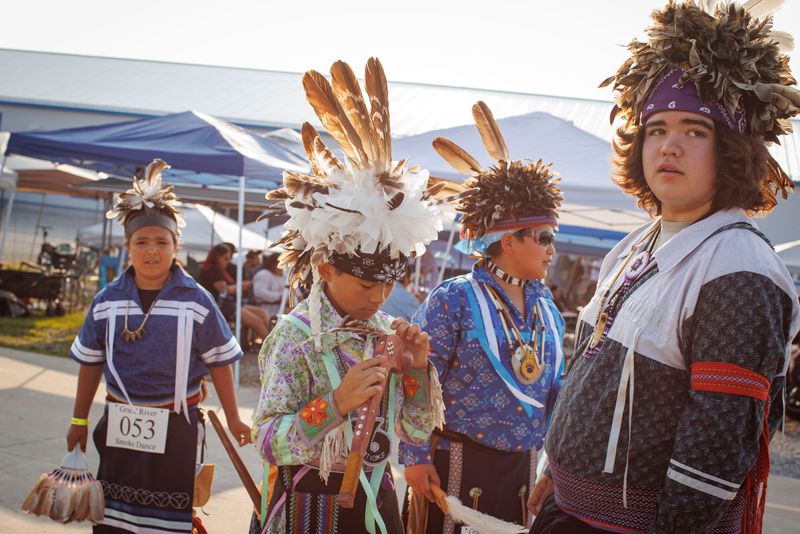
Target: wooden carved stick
point(398, 360)
point(238, 464)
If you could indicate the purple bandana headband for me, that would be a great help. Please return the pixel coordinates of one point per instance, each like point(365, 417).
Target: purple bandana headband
point(670, 95)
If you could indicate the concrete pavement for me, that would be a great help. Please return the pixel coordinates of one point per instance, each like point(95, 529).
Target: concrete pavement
point(36, 395)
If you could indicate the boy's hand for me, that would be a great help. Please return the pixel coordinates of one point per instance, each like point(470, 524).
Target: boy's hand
point(541, 491)
point(416, 341)
point(420, 477)
point(362, 382)
point(240, 430)
point(76, 435)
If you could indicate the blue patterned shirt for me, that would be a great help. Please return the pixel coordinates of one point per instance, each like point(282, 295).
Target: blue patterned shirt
point(478, 402)
point(184, 317)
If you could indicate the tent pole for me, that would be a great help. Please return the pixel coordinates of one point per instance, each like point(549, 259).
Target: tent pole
point(7, 214)
point(239, 267)
point(446, 256)
point(213, 220)
point(36, 228)
point(107, 206)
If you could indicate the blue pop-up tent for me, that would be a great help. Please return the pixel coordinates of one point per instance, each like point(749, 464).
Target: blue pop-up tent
point(189, 141)
point(201, 149)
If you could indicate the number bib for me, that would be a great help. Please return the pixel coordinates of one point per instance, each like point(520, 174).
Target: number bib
point(138, 428)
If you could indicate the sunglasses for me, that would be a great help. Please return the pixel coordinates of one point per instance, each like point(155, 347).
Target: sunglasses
point(544, 238)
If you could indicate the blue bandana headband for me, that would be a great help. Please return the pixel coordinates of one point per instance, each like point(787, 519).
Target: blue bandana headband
point(479, 245)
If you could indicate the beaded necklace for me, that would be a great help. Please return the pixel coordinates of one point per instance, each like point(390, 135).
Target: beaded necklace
point(527, 360)
point(502, 275)
point(137, 334)
point(641, 259)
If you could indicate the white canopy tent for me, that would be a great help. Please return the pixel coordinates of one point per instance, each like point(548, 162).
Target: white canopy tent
point(582, 160)
point(189, 141)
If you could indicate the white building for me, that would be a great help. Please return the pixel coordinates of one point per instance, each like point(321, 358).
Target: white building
point(45, 91)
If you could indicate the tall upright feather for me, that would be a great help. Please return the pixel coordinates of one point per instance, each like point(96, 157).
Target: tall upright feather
point(490, 132)
point(325, 157)
point(317, 152)
point(348, 91)
point(309, 133)
point(457, 157)
point(378, 91)
point(321, 97)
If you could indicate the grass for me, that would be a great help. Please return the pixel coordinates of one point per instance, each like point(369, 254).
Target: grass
point(46, 335)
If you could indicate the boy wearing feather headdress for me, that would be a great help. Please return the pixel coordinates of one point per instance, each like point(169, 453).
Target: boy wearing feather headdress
point(664, 419)
point(155, 370)
point(495, 340)
point(352, 226)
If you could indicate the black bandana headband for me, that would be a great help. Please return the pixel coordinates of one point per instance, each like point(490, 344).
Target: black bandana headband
point(150, 217)
point(378, 267)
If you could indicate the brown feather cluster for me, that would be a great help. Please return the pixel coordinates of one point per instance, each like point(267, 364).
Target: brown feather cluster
point(68, 495)
point(732, 58)
point(150, 192)
point(361, 129)
point(507, 189)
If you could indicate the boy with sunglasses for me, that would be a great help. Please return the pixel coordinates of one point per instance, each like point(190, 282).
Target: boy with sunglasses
point(495, 338)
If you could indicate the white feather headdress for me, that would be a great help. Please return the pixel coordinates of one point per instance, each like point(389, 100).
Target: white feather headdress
point(363, 206)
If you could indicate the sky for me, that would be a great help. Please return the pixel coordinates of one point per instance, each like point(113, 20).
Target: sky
point(563, 48)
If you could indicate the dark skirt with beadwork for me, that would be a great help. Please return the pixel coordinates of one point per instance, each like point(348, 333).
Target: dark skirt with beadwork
point(498, 482)
point(149, 493)
point(310, 506)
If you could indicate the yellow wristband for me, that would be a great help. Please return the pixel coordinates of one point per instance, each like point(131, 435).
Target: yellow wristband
point(77, 421)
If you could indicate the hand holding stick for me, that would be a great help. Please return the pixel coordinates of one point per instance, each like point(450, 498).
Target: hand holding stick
point(398, 359)
point(238, 464)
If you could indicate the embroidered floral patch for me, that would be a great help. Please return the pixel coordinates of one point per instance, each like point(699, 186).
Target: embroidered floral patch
point(410, 385)
point(315, 417)
point(315, 412)
point(415, 386)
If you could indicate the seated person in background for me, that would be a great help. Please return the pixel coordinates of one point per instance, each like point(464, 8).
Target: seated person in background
point(218, 282)
point(269, 284)
point(230, 268)
point(252, 264)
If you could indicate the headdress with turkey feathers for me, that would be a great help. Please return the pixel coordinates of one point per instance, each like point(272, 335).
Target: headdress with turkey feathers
point(366, 214)
point(148, 203)
point(719, 59)
point(507, 196)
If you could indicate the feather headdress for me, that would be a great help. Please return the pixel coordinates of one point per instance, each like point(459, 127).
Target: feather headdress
point(507, 195)
point(728, 51)
point(148, 203)
point(366, 206)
